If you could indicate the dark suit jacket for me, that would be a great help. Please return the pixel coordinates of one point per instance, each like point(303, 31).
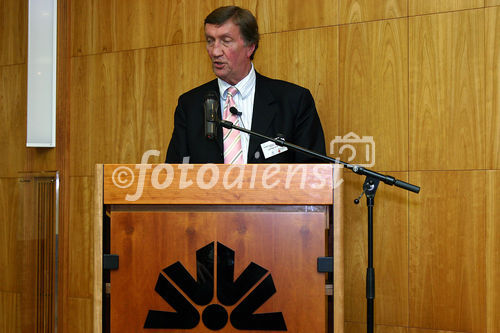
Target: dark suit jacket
point(279, 107)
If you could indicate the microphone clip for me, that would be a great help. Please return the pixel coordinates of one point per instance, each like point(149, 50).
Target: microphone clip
point(235, 111)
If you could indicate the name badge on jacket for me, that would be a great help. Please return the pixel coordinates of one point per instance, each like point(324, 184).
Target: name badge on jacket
point(271, 149)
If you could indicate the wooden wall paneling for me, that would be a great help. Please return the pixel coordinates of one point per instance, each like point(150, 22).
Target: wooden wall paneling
point(373, 91)
point(85, 84)
point(447, 251)
point(80, 238)
point(78, 317)
point(492, 251)
point(419, 7)
point(142, 24)
point(13, 32)
point(119, 25)
point(91, 27)
point(352, 11)
point(447, 110)
point(10, 312)
point(194, 15)
point(266, 57)
point(195, 12)
point(107, 26)
point(18, 253)
point(310, 58)
point(11, 236)
point(359, 327)
point(191, 74)
point(13, 46)
point(40, 159)
point(13, 119)
point(492, 3)
point(390, 252)
point(79, 269)
point(123, 103)
point(28, 238)
point(492, 49)
point(298, 14)
point(176, 79)
point(264, 11)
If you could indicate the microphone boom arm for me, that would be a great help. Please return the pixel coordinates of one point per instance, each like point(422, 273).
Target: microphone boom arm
point(389, 180)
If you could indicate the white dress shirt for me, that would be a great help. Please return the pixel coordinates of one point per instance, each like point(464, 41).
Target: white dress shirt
point(243, 100)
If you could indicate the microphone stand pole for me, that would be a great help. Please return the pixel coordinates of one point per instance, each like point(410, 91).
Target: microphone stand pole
point(370, 187)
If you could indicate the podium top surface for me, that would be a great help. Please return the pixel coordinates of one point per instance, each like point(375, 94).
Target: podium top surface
point(220, 184)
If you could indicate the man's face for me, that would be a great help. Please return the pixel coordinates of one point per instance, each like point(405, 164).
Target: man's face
point(227, 50)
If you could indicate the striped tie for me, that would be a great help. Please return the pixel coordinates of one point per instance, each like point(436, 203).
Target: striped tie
point(233, 154)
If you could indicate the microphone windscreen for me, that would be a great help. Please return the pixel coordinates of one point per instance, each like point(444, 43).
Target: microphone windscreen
point(211, 108)
point(211, 95)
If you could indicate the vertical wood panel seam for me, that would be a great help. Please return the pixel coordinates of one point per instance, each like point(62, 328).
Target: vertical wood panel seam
point(408, 87)
point(485, 207)
point(485, 55)
point(62, 155)
point(483, 92)
point(338, 81)
point(485, 281)
point(408, 206)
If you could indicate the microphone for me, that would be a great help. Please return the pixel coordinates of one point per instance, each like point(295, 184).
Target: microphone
point(211, 107)
point(235, 111)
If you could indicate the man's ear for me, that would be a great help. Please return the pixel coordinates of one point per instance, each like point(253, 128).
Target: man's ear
point(250, 50)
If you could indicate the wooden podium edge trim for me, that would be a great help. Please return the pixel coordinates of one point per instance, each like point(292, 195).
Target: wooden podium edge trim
point(338, 251)
point(98, 247)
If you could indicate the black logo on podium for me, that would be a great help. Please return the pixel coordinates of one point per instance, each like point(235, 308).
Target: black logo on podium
point(201, 292)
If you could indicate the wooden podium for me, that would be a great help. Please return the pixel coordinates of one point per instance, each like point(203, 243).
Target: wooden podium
point(217, 247)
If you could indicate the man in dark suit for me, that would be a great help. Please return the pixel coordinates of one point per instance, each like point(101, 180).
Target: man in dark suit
point(266, 106)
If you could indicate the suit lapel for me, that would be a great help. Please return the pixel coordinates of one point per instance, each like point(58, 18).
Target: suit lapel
point(263, 113)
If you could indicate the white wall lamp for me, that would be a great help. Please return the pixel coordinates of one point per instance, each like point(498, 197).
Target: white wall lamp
point(42, 70)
